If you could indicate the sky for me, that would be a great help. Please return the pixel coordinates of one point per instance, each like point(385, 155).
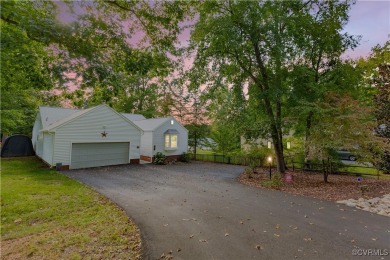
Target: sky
point(371, 20)
point(368, 18)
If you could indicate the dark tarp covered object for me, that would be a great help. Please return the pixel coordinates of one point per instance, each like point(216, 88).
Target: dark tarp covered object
point(17, 145)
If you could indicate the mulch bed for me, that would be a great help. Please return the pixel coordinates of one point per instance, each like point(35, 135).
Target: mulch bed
point(311, 184)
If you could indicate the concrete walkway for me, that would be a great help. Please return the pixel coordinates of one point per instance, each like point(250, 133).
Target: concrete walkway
point(200, 211)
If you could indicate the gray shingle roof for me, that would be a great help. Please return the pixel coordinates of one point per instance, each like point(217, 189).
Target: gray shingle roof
point(151, 124)
point(66, 119)
point(50, 115)
point(54, 116)
point(133, 117)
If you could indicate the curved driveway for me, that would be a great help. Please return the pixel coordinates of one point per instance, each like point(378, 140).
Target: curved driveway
point(200, 211)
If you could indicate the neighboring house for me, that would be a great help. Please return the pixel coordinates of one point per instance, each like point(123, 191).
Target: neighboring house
point(93, 137)
point(247, 145)
point(164, 135)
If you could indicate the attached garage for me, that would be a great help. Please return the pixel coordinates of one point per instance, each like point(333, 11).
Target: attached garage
point(85, 155)
point(98, 136)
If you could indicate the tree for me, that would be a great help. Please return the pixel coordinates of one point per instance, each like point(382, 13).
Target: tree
point(375, 86)
point(195, 119)
point(226, 110)
point(24, 70)
point(342, 121)
point(259, 43)
point(39, 54)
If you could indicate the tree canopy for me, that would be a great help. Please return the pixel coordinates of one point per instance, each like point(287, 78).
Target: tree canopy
point(280, 49)
point(88, 60)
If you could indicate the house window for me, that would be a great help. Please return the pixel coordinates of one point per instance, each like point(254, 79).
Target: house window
point(171, 139)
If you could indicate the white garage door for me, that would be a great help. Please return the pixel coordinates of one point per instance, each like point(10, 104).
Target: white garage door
point(99, 154)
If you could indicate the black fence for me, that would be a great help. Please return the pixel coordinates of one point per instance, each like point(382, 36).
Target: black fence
point(220, 158)
point(333, 167)
point(336, 167)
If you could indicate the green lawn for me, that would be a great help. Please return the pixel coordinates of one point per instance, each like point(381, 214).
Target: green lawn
point(204, 152)
point(46, 215)
point(365, 171)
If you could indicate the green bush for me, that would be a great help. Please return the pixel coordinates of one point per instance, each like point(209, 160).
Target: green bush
point(276, 181)
point(248, 172)
point(159, 158)
point(256, 156)
point(185, 157)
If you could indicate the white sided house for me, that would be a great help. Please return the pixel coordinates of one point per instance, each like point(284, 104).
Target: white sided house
point(165, 135)
point(93, 137)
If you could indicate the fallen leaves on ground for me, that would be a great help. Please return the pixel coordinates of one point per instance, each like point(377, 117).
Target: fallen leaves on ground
point(311, 184)
point(259, 247)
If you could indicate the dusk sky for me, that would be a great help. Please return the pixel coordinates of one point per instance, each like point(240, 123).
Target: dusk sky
point(371, 20)
point(368, 18)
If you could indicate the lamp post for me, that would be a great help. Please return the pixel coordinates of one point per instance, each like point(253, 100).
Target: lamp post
point(270, 164)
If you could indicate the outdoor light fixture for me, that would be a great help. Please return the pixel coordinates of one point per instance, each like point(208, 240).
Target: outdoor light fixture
point(270, 165)
point(288, 145)
point(172, 122)
point(269, 145)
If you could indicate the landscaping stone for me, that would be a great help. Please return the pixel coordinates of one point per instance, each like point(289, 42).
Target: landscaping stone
point(378, 205)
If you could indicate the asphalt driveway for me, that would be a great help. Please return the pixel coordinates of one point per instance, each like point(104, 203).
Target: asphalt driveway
point(200, 211)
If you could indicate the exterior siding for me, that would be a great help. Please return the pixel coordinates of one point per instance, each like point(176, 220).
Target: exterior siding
point(35, 133)
point(39, 145)
point(48, 142)
point(159, 139)
point(147, 144)
point(88, 128)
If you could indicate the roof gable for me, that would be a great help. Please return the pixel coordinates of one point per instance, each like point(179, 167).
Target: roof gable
point(80, 113)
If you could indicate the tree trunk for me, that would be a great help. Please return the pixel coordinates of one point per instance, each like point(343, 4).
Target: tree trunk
point(307, 135)
point(325, 171)
point(195, 144)
point(278, 147)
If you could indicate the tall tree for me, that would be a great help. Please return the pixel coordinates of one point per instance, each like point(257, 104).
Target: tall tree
point(226, 111)
point(92, 53)
point(342, 121)
point(375, 91)
point(260, 43)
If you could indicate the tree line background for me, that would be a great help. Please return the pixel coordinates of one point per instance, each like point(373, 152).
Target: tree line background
point(258, 69)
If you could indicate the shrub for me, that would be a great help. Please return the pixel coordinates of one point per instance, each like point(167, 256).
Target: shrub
point(276, 181)
point(159, 158)
point(185, 157)
point(258, 156)
point(248, 172)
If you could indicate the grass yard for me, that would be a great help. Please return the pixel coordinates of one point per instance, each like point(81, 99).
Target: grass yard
point(46, 215)
point(366, 171)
